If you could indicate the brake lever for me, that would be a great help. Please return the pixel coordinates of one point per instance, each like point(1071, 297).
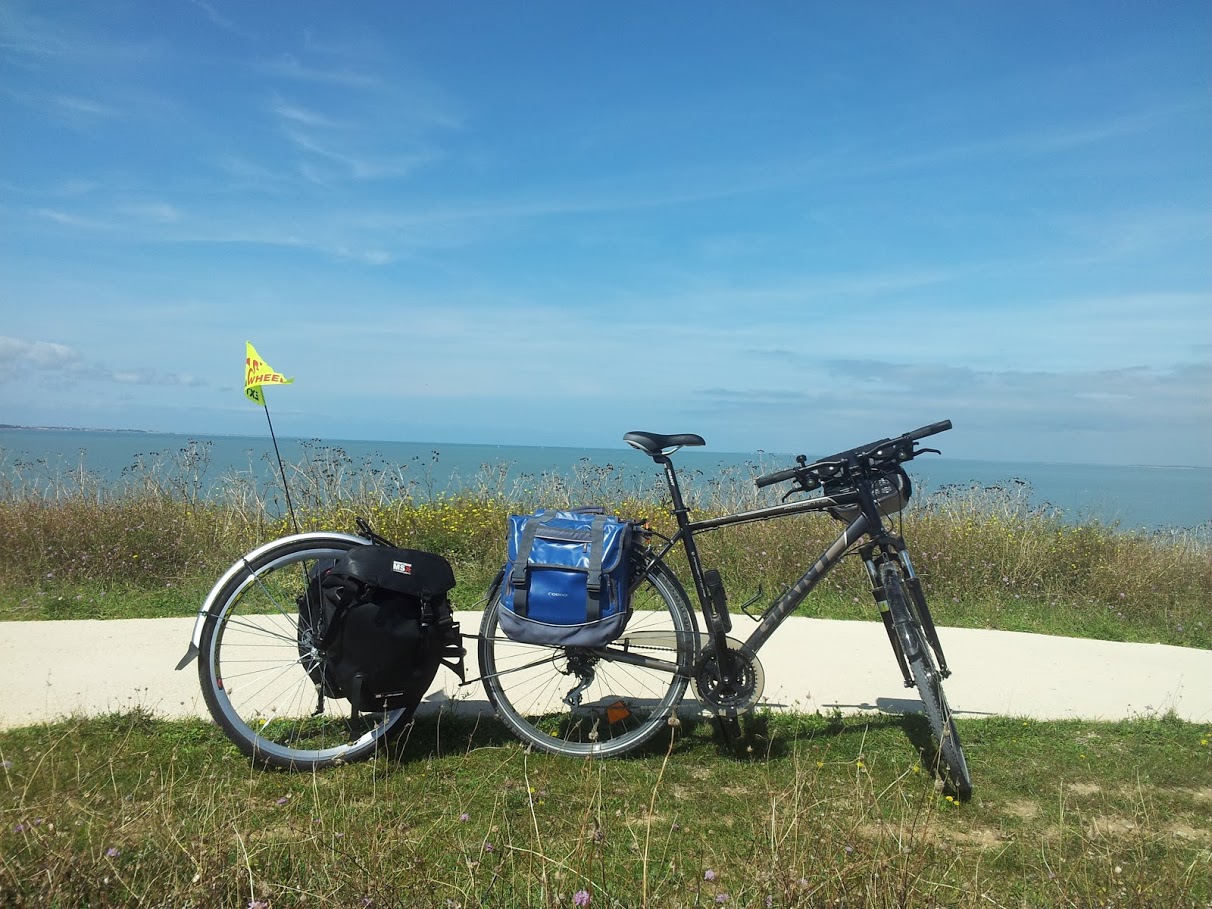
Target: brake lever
point(919, 451)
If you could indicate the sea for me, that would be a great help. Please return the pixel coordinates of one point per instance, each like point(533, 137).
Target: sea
point(1140, 498)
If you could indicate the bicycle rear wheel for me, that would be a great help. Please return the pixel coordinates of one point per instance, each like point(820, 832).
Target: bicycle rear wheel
point(603, 702)
point(261, 675)
point(949, 762)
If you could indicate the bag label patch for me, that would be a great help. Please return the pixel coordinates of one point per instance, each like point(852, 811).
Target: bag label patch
point(402, 567)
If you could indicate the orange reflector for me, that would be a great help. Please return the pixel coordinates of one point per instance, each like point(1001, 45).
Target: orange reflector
point(617, 712)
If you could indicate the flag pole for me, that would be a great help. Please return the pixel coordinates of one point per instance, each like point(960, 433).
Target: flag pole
point(257, 374)
point(281, 468)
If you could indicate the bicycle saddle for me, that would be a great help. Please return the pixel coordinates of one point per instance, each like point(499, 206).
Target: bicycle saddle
point(653, 443)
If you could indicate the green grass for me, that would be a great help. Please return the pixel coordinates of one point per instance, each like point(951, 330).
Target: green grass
point(807, 811)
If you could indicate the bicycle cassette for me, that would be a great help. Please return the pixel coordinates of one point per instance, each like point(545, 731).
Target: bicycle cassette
point(738, 696)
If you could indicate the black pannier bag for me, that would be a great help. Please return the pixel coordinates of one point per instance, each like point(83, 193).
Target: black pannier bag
point(375, 624)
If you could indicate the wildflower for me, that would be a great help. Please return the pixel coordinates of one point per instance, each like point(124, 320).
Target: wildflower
point(113, 852)
point(581, 898)
point(722, 897)
point(488, 848)
point(464, 817)
point(19, 828)
point(709, 875)
point(769, 902)
point(258, 904)
point(6, 765)
point(283, 800)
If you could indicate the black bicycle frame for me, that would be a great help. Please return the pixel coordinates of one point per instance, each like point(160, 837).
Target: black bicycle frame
point(794, 595)
point(863, 526)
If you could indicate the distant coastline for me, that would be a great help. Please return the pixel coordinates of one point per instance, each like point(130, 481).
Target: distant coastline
point(75, 429)
point(227, 435)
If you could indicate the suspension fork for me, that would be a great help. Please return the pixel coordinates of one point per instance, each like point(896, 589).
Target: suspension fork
point(923, 611)
point(873, 555)
point(887, 547)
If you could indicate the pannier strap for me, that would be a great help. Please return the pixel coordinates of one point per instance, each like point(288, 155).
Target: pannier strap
point(594, 536)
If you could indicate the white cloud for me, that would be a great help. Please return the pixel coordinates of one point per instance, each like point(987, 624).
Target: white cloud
point(153, 212)
point(17, 355)
point(60, 365)
point(67, 219)
point(74, 105)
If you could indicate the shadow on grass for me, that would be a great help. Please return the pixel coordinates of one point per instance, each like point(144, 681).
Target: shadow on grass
point(759, 736)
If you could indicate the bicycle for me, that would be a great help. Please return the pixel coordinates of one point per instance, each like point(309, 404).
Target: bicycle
point(608, 701)
point(262, 676)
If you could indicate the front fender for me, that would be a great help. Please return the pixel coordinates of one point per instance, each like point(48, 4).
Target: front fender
point(244, 564)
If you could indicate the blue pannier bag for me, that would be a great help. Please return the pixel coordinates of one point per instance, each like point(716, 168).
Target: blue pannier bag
point(566, 581)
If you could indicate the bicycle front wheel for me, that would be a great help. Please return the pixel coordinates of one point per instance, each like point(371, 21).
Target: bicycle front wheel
point(949, 762)
point(601, 702)
point(262, 677)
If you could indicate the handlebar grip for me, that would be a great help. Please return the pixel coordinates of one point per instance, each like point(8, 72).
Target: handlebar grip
point(932, 429)
point(778, 476)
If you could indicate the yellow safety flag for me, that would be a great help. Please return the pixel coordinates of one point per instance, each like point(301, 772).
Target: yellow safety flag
point(257, 373)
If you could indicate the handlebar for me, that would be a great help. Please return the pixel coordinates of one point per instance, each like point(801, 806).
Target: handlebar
point(885, 451)
point(932, 430)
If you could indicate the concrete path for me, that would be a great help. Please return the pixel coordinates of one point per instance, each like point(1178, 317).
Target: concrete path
point(51, 670)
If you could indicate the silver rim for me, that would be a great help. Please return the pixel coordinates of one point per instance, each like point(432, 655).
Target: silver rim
point(259, 682)
point(534, 688)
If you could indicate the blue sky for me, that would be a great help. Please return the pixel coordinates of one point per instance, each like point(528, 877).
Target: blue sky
point(790, 225)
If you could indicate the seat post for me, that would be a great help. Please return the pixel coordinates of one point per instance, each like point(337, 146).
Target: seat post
point(715, 624)
point(675, 491)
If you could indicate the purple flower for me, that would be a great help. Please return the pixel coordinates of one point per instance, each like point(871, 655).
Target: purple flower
point(464, 817)
point(113, 852)
point(20, 828)
point(769, 902)
point(581, 898)
point(722, 897)
point(258, 904)
point(284, 800)
point(709, 875)
point(488, 848)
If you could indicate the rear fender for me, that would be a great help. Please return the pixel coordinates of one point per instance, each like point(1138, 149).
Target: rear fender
point(242, 567)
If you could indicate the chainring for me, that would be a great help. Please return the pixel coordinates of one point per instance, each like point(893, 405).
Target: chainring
point(738, 697)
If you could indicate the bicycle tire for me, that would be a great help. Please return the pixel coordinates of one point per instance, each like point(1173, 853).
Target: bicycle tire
point(256, 680)
point(949, 762)
point(621, 705)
